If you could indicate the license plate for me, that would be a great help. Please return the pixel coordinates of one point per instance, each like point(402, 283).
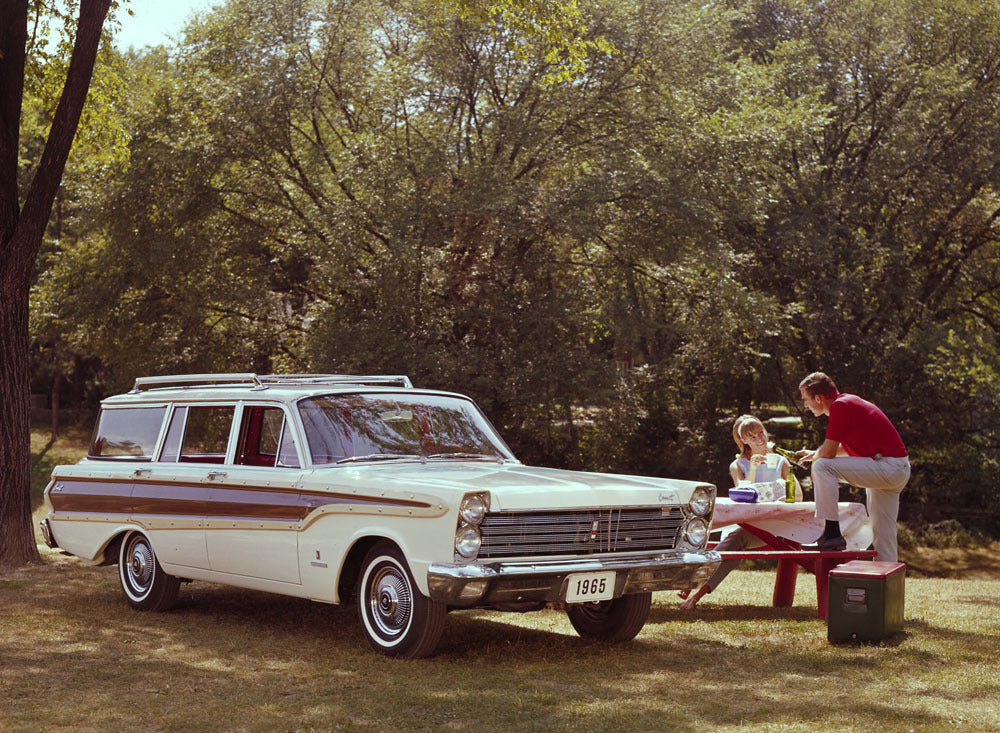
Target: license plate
point(590, 587)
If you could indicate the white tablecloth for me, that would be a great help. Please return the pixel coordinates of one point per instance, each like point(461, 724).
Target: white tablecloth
point(796, 521)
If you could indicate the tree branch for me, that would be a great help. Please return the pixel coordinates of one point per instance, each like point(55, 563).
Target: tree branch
point(27, 236)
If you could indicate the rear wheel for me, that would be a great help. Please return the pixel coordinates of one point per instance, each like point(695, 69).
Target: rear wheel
point(398, 620)
point(619, 619)
point(145, 585)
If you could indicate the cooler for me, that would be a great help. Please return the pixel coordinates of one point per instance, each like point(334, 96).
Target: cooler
point(865, 601)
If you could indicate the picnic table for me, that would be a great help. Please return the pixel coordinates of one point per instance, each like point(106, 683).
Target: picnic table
point(784, 527)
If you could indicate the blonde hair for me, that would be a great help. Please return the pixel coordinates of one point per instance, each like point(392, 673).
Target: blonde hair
point(743, 424)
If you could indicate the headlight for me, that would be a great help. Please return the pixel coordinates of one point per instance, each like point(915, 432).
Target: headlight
point(701, 501)
point(696, 532)
point(473, 508)
point(467, 541)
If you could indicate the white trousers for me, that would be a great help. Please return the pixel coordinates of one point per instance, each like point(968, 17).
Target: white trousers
point(884, 478)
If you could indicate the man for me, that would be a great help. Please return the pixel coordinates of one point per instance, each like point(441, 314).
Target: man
point(863, 448)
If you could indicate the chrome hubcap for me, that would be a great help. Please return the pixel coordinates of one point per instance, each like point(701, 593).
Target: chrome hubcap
point(390, 601)
point(140, 566)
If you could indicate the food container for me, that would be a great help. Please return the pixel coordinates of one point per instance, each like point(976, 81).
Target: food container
point(743, 494)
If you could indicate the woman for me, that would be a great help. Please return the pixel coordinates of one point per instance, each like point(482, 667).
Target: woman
point(750, 466)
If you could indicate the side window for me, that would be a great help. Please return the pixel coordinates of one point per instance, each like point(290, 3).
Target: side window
point(265, 439)
point(128, 433)
point(270, 433)
point(172, 444)
point(206, 434)
point(287, 456)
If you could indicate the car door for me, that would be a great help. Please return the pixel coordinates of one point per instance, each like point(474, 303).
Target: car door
point(170, 496)
point(253, 502)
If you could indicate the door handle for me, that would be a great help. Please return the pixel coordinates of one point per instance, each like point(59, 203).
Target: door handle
point(216, 475)
point(141, 472)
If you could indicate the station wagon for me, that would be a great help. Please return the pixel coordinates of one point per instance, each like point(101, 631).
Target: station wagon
point(357, 489)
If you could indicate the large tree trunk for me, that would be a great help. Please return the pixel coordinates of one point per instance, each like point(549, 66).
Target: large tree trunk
point(17, 535)
point(20, 236)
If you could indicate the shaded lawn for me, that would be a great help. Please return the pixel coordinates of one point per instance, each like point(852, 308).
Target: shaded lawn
point(69, 447)
point(73, 656)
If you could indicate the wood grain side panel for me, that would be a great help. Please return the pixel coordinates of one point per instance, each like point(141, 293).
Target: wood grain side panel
point(254, 503)
point(151, 498)
point(104, 497)
point(168, 498)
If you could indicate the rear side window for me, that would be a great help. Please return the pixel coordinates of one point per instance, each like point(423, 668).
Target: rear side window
point(206, 434)
point(128, 433)
point(198, 434)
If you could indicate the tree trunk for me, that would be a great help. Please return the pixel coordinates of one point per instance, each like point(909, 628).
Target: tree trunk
point(17, 540)
point(17, 535)
point(20, 237)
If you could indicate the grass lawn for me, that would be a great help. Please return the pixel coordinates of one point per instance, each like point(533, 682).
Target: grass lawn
point(73, 656)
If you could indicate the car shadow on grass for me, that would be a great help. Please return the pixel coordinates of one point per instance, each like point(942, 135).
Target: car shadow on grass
point(714, 612)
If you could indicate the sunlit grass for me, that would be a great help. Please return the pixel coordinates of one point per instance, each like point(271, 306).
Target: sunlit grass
point(69, 447)
point(75, 657)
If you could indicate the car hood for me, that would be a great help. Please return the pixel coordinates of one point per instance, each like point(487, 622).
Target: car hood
point(512, 486)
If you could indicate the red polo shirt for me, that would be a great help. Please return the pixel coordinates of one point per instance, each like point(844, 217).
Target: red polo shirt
point(863, 429)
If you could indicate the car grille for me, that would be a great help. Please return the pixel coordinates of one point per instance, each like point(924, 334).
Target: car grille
point(585, 532)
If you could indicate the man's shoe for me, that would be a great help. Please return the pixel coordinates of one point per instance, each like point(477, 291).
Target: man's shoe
point(827, 544)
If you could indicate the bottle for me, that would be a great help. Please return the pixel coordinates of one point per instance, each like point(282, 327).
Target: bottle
point(790, 486)
point(790, 478)
point(788, 454)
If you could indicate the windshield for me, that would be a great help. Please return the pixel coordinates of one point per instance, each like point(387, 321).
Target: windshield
point(354, 427)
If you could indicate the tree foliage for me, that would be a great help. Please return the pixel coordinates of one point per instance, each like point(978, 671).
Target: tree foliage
point(617, 234)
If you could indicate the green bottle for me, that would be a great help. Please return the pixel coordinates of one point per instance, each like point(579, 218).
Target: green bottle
point(788, 454)
point(790, 478)
point(790, 486)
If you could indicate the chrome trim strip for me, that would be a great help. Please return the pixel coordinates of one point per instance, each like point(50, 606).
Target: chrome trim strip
point(584, 507)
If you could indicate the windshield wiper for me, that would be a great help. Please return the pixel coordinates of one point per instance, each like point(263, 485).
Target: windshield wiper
point(382, 457)
point(466, 456)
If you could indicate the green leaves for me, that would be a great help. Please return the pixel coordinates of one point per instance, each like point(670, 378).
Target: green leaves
point(617, 225)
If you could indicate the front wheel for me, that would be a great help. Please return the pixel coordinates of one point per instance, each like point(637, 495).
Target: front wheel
point(145, 585)
point(619, 619)
point(398, 620)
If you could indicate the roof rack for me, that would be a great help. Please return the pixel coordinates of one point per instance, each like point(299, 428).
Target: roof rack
point(263, 381)
point(395, 380)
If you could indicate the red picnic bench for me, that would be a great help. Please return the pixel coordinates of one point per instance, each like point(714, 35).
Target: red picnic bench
point(790, 557)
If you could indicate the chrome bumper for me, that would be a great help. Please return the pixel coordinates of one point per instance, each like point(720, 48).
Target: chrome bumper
point(46, 527)
point(494, 583)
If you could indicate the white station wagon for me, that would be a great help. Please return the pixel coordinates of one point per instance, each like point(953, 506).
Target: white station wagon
point(363, 489)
